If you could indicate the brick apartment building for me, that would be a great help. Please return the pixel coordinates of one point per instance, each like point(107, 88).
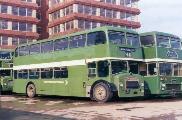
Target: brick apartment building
point(66, 16)
point(18, 22)
point(23, 21)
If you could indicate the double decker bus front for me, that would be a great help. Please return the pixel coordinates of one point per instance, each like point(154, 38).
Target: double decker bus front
point(6, 70)
point(128, 83)
point(162, 54)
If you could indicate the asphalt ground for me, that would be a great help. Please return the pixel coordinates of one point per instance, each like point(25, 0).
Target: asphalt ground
point(18, 107)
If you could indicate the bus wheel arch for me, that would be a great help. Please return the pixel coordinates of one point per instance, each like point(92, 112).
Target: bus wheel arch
point(105, 86)
point(30, 90)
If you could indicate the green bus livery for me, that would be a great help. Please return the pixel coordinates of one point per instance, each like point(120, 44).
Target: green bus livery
point(6, 69)
point(97, 63)
point(163, 63)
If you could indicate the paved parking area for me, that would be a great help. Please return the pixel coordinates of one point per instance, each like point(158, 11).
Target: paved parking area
point(58, 108)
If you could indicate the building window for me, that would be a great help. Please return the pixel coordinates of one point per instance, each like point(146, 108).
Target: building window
point(29, 12)
point(4, 9)
point(4, 40)
point(22, 26)
point(29, 27)
point(53, 2)
point(15, 26)
point(15, 10)
point(3, 24)
point(22, 41)
point(15, 41)
point(26, 0)
point(38, 2)
point(22, 11)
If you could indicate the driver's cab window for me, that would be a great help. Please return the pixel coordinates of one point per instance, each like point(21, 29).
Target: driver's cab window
point(134, 67)
point(152, 69)
point(118, 66)
point(103, 68)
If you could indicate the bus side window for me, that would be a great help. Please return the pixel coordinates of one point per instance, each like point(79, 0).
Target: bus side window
point(34, 74)
point(103, 68)
point(92, 69)
point(23, 74)
point(143, 69)
point(61, 72)
point(46, 73)
point(15, 74)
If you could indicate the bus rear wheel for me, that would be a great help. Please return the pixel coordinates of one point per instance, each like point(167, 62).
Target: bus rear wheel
point(31, 90)
point(102, 92)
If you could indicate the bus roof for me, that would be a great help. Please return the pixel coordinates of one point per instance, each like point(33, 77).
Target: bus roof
point(158, 33)
point(104, 28)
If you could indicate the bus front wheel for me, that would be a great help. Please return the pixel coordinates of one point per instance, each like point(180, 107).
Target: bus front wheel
point(102, 92)
point(31, 90)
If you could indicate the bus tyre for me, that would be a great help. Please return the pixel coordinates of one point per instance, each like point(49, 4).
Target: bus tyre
point(102, 92)
point(31, 90)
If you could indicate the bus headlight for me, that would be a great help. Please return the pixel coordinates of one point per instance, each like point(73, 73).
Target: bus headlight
point(121, 85)
point(163, 85)
point(142, 85)
point(162, 88)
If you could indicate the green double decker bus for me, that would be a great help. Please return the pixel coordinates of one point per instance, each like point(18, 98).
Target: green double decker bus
point(97, 63)
point(163, 63)
point(6, 69)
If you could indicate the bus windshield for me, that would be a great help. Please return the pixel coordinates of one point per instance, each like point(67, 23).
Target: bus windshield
point(118, 66)
point(5, 55)
point(165, 69)
point(162, 41)
point(175, 43)
point(133, 40)
point(117, 37)
point(147, 40)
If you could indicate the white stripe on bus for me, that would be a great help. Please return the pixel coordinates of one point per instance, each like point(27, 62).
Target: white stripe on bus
point(163, 60)
point(54, 82)
point(67, 63)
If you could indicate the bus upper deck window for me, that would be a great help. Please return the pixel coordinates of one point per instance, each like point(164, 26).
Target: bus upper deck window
point(133, 40)
point(96, 38)
point(162, 41)
point(77, 41)
point(61, 44)
point(117, 37)
point(47, 46)
point(24, 50)
point(147, 40)
point(175, 43)
point(34, 49)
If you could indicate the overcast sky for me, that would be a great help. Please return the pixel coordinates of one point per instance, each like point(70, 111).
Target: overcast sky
point(161, 15)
